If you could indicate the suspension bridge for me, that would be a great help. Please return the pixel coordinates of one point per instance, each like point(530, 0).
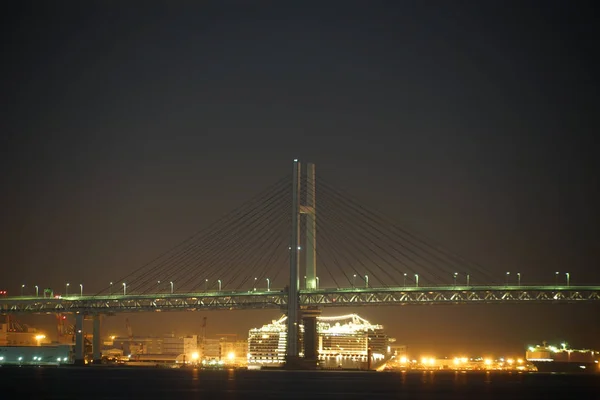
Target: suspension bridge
point(264, 255)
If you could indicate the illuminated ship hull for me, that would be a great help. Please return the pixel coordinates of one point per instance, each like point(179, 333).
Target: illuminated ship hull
point(565, 366)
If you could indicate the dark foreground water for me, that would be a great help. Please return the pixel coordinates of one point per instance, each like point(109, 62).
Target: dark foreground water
point(183, 384)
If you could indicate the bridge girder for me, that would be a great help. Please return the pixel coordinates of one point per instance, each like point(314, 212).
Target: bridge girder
point(278, 300)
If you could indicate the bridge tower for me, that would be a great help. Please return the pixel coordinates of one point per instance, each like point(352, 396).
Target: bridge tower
point(293, 288)
point(295, 315)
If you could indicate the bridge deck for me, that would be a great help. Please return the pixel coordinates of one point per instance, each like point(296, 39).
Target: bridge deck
point(277, 299)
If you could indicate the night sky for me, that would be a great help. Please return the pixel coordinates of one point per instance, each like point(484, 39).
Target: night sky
point(128, 127)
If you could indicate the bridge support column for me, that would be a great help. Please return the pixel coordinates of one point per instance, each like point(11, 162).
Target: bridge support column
point(311, 339)
point(79, 346)
point(309, 211)
point(292, 293)
point(96, 340)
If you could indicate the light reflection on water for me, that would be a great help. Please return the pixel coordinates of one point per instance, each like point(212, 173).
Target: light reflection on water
point(184, 384)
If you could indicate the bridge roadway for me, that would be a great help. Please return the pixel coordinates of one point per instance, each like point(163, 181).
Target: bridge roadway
point(277, 299)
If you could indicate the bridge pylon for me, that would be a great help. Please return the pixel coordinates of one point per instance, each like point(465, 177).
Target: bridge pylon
point(295, 316)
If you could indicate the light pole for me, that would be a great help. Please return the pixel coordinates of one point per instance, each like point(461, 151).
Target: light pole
point(268, 285)
point(255, 279)
point(304, 281)
point(219, 281)
point(556, 278)
point(157, 286)
point(455, 275)
point(416, 280)
point(404, 285)
point(67, 289)
point(468, 279)
point(22, 289)
point(171, 283)
point(124, 288)
point(568, 278)
point(81, 289)
point(353, 281)
point(317, 282)
point(206, 285)
point(36, 291)
point(506, 281)
point(110, 288)
point(518, 279)
point(366, 281)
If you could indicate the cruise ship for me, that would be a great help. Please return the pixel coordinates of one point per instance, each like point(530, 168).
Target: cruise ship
point(548, 358)
point(346, 341)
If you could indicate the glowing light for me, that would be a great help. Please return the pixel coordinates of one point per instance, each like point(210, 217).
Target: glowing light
point(510, 361)
point(403, 360)
point(195, 356)
point(487, 361)
point(40, 337)
point(231, 356)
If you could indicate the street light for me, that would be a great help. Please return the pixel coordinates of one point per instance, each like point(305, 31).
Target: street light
point(110, 288)
point(124, 288)
point(255, 279)
point(219, 281)
point(416, 280)
point(506, 281)
point(556, 278)
point(157, 286)
point(171, 283)
point(67, 289)
point(22, 288)
point(304, 281)
point(455, 275)
point(568, 278)
point(36, 290)
point(353, 280)
point(268, 285)
point(206, 285)
point(518, 279)
point(404, 285)
point(317, 278)
point(81, 289)
point(366, 281)
point(468, 279)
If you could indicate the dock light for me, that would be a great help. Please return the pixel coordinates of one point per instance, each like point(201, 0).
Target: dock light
point(58, 359)
point(20, 358)
point(487, 361)
point(231, 356)
point(1, 358)
point(195, 356)
point(403, 360)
